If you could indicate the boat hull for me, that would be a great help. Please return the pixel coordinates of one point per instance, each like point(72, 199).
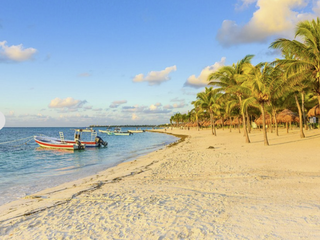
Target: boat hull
point(51, 143)
point(136, 131)
point(111, 133)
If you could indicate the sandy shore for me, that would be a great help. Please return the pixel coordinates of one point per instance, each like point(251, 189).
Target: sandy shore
point(205, 187)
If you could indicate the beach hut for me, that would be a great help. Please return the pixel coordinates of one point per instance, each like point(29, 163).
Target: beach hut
point(287, 117)
point(314, 112)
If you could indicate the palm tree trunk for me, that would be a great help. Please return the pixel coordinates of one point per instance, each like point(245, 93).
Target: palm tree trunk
point(230, 127)
point(248, 121)
point(303, 111)
point(287, 126)
point(271, 126)
point(300, 117)
point(222, 123)
point(245, 131)
point(266, 143)
point(197, 119)
point(275, 122)
point(213, 129)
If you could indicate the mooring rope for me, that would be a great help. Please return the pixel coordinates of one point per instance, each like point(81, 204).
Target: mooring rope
point(17, 140)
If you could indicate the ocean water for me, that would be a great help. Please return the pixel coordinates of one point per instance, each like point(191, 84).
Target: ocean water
point(26, 168)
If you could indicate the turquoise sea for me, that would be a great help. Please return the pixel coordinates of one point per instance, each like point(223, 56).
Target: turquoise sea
point(26, 168)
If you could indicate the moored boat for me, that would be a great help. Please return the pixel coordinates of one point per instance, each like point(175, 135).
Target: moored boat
point(49, 142)
point(95, 141)
point(136, 131)
point(116, 132)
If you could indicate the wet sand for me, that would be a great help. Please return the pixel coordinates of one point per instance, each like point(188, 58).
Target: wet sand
point(205, 187)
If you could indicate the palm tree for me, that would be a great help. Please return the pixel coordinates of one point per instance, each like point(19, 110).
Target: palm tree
point(171, 120)
point(260, 82)
point(208, 100)
point(229, 79)
point(196, 111)
point(306, 61)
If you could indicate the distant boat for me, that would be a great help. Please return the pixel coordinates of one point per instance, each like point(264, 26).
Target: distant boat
point(116, 132)
point(49, 142)
point(136, 131)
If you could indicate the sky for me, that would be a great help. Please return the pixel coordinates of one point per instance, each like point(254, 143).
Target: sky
point(75, 63)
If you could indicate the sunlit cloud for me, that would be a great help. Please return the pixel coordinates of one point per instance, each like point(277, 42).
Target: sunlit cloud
point(273, 18)
point(116, 104)
point(155, 106)
point(155, 77)
point(68, 102)
point(15, 53)
point(134, 117)
point(201, 80)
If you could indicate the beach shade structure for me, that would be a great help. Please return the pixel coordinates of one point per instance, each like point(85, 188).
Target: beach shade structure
point(207, 123)
point(287, 116)
point(259, 120)
point(227, 122)
point(237, 121)
point(314, 112)
point(219, 122)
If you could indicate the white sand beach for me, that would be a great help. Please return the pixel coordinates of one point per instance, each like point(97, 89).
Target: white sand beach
point(205, 187)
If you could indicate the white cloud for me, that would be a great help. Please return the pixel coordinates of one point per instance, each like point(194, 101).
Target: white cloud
point(116, 104)
point(155, 77)
point(153, 107)
point(134, 117)
point(273, 18)
point(69, 103)
point(15, 52)
point(201, 80)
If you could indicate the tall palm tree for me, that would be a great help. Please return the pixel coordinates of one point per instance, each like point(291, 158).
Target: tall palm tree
point(229, 79)
point(306, 63)
point(260, 82)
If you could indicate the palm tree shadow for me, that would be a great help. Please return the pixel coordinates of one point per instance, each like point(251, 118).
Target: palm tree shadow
point(299, 140)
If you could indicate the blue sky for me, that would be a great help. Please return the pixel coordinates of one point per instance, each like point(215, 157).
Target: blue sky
point(77, 63)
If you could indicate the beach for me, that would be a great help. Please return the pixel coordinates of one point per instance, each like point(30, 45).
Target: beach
point(203, 187)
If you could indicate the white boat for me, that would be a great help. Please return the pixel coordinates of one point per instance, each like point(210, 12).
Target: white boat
point(116, 132)
point(136, 131)
point(49, 142)
point(95, 141)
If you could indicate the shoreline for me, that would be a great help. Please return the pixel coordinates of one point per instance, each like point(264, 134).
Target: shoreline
point(202, 188)
point(7, 208)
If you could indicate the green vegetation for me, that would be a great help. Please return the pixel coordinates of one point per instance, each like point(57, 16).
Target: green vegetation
point(268, 93)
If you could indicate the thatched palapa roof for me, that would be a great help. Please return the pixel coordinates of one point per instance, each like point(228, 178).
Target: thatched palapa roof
point(287, 116)
point(314, 112)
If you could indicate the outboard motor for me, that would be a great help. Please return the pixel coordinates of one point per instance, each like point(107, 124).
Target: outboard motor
point(100, 141)
point(80, 145)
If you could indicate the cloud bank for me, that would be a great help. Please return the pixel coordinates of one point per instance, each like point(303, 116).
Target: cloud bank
point(155, 77)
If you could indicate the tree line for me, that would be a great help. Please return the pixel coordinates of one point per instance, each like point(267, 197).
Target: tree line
point(243, 91)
